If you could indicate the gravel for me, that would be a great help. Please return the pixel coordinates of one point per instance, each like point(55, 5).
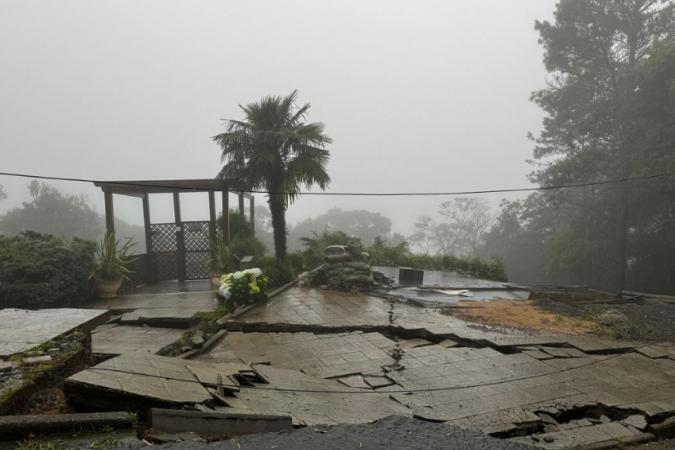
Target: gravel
point(390, 433)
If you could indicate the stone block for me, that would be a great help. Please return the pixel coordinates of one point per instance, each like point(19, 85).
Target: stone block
point(216, 424)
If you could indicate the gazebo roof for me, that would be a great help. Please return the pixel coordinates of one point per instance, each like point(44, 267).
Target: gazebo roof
point(137, 188)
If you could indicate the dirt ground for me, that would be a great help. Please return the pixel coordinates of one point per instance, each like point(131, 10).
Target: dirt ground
point(523, 314)
point(647, 321)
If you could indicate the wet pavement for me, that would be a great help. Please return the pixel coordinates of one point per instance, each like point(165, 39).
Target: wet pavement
point(327, 358)
point(22, 330)
point(148, 323)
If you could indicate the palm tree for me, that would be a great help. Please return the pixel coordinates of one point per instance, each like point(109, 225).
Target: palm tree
point(274, 150)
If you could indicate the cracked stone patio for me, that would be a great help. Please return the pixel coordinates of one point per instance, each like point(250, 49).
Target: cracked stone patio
point(325, 357)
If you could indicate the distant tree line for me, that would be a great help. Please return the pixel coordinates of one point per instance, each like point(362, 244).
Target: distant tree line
point(610, 114)
point(49, 211)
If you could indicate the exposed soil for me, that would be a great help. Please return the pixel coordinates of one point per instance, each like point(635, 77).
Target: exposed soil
point(649, 321)
point(50, 400)
point(523, 314)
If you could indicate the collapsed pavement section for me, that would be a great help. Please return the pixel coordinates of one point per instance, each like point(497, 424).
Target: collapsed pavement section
point(325, 358)
point(40, 348)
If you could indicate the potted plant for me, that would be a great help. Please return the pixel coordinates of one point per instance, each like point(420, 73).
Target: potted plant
point(112, 265)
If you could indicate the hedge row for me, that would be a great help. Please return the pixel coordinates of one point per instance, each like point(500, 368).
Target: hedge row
point(43, 271)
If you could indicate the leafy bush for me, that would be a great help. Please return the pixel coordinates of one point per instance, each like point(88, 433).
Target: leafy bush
point(42, 271)
point(279, 273)
point(382, 254)
point(491, 269)
point(242, 239)
point(222, 260)
point(315, 245)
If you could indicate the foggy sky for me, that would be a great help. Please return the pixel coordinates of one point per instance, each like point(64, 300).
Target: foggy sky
point(418, 96)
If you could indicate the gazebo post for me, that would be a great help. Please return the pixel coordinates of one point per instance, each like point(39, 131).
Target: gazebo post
point(180, 236)
point(251, 206)
point(109, 212)
point(226, 216)
point(148, 237)
point(212, 216)
point(241, 203)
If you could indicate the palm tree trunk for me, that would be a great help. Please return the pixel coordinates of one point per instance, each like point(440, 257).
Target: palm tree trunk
point(278, 212)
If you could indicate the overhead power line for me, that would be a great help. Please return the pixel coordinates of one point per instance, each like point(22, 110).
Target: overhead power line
point(356, 194)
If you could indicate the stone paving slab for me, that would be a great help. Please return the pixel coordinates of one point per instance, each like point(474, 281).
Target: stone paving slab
point(322, 355)
point(300, 306)
point(313, 307)
point(624, 381)
point(22, 330)
point(658, 351)
point(496, 384)
point(578, 437)
point(164, 379)
point(113, 339)
point(316, 408)
point(195, 300)
point(165, 308)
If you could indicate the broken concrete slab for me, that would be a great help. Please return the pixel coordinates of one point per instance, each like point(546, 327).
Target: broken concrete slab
point(21, 426)
point(217, 424)
point(355, 381)
point(609, 433)
point(657, 351)
point(414, 342)
point(118, 339)
point(136, 380)
point(341, 310)
point(323, 355)
point(21, 330)
point(322, 402)
point(636, 421)
point(485, 377)
point(167, 310)
point(158, 437)
point(198, 301)
point(377, 382)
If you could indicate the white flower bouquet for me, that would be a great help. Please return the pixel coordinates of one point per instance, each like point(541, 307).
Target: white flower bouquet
point(243, 287)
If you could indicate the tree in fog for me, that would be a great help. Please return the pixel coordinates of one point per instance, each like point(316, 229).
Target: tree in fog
point(460, 232)
point(69, 216)
point(610, 105)
point(2, 193)
point(275, 150)
point(360, 223)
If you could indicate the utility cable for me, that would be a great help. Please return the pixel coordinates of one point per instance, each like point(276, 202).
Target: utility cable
point(357, 194)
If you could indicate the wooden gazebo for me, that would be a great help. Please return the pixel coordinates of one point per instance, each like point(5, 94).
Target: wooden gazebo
point(177, 250)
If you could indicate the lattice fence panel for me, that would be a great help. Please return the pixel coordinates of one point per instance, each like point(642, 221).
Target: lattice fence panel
point(164, 247)
point(197, 258)
point(163, 237)
point(165, 250)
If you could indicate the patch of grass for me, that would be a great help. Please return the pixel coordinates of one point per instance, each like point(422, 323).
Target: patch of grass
point(212, 316)
point(30, 444)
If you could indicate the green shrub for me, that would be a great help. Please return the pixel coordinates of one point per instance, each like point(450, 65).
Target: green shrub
point(42, 271)
point(315, 245)
point(278, 273)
